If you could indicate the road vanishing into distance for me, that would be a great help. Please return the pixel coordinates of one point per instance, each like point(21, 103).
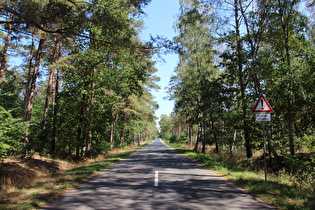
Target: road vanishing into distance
point(157, 177)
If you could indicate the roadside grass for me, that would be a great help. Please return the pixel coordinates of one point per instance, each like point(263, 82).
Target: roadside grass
point(278, 191)
point(46, 189)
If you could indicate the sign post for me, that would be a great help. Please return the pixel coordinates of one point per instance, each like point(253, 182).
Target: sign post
point(263, 112)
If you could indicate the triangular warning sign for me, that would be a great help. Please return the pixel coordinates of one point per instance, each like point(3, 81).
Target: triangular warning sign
point(262, 105)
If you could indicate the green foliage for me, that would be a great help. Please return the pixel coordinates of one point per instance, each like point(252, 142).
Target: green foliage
point(166, 125)
point(96, 75)
point(173, 139)
point(10, 92)
point(301, 168)
point(306, 142)
point(278, 190)
point(267, 50)
point(11, 134)
point(179, 139)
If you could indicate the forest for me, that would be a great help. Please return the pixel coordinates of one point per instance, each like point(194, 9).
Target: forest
point(230, 52)
point(75, 78)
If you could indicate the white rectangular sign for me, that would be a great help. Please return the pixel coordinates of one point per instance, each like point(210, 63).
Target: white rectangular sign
point(265, 117)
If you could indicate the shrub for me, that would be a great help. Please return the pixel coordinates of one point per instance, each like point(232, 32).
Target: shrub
point(174, 139)
point(302, 168)
point(11, 134)
point(179, 139)
point(183, 138)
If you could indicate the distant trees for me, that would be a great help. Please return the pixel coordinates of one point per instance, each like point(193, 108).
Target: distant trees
point(80, 79)
point(165, 125)
point(230, 52)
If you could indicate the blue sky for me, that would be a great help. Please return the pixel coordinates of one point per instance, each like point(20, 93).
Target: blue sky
point(159, 20)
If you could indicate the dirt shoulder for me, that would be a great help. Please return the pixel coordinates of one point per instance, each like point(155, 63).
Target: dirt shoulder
point(17, 173)
point(33, 182)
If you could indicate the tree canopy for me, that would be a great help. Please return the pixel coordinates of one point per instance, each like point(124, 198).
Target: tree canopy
point(232, 51)
point(80, 84)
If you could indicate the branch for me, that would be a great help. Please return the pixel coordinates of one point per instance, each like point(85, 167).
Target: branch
point(28, 20)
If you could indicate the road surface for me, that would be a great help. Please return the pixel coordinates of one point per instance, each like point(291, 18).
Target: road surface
point(156, 177)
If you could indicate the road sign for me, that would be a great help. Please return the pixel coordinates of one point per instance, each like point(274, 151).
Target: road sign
point(263, 110)
point(262, 105)
point(263, 117)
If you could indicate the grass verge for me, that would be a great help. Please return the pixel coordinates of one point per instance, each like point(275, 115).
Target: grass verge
point(51, 187)
point(277, 191)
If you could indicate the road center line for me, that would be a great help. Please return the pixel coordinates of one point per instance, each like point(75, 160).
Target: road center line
point(156, 179)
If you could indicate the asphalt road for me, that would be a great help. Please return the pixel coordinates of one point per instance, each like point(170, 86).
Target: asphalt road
point(156, 177)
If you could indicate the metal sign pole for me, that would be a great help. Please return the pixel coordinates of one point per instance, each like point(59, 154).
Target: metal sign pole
point(264, 145)
point(263, 110)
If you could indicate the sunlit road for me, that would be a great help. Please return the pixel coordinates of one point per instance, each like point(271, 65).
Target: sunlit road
point(156, 177)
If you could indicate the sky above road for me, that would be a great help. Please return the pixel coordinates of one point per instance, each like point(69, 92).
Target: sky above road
point(159, 20)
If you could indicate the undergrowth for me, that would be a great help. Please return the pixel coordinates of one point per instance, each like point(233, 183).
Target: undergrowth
point(279, 191)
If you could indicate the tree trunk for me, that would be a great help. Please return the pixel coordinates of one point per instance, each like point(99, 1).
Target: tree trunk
point(199, 137)
point(50, 86)
point(33, 77)
point(5, 51)
point(30, 92)
point(122, 129)
point(215, 137)
point(196, 144)
point(81, 129)
point(286, 36)
point(242, 83)
point(55, 102)
point(122, 138)
point(139, 139)
point(55, 106)
point(48, 97)
point(204, 138)
point(272, 149)
point(189, 131)
point(290, 112)
point(232, 143)
point(89, 110)
point(112, 130)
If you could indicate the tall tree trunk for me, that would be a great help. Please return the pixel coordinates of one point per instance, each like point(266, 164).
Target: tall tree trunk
point(197, 143)
point(55, 106)
point(286, 36)
point(54, 95)
point(215, 136)
point(112, 131)
point(5, 52)
point(80, 133)
point(48, 98)
point(232, 143)
point(122, 129)
point(203, 149)
point(30, 92)
point(89, 110)
point(27, 92)
point(254, 43)
point(32, 87)
point(139, 139)
point(242, 83)
point(272, 149)
point(189, 131)
point(199, 137)
point(204, 136)
point(50, 85)
point(290, 108)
